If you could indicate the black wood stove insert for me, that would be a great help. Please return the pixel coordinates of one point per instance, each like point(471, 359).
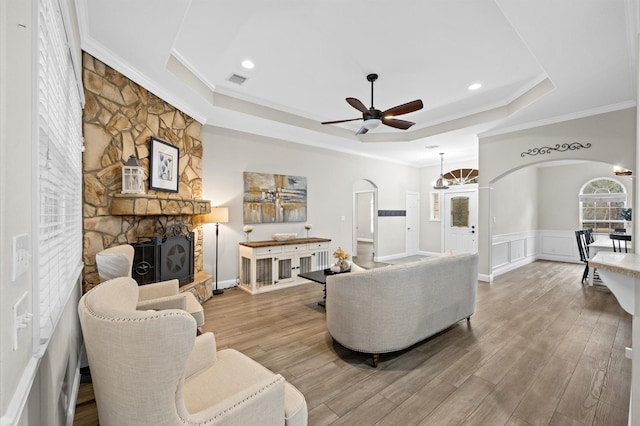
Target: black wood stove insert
point(164, 258)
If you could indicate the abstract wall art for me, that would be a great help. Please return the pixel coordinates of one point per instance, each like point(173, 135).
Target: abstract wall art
point(270, 198)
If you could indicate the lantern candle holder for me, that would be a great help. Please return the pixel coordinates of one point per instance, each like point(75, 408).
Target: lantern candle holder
point(132, 177)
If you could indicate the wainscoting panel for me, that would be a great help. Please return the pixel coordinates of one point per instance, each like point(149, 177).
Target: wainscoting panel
point(559, 245)
point(500, 254)
point(510, 251)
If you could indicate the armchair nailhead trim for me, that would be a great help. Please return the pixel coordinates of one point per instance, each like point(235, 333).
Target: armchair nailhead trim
point(234, 406)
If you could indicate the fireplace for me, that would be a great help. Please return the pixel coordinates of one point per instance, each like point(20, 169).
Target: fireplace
point(164, 258)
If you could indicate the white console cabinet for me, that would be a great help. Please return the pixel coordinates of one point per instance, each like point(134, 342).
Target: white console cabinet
point(271, 265)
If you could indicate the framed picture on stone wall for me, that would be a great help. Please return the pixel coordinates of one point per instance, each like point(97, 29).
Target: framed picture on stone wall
point(163, 166)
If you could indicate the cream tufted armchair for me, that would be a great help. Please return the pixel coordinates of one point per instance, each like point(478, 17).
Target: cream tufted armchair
point(117, 262)
point(149, 368)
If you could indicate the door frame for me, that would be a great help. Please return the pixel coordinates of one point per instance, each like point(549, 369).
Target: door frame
point(416, 217)
point(354, 226)
point(458, 189)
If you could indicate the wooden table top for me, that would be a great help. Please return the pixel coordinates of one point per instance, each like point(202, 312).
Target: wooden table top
point(270, 243)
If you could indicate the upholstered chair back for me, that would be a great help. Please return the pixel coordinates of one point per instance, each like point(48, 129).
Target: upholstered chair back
point(137, 358)
point(115, 262)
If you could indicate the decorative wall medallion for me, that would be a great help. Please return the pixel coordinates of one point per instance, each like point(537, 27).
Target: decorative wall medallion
point(559, 148)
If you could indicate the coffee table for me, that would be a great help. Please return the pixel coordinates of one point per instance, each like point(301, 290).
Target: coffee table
point(318, 277)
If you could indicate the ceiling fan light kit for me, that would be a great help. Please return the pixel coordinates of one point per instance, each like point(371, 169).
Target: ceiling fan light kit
point(372, 117)
point(372, 123)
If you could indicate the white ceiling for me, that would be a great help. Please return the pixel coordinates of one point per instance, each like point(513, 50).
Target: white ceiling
point(539, 61)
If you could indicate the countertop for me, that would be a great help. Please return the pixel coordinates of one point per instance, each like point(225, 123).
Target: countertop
point(622, 263)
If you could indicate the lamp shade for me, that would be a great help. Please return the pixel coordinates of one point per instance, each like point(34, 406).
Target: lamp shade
point(217, 215)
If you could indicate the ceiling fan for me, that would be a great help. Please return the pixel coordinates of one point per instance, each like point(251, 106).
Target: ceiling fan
point(374, 117)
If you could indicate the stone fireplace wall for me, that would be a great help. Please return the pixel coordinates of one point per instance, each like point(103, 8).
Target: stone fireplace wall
point(118, 120)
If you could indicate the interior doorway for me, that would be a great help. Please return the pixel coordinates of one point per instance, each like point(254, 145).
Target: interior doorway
point(413, 223)
point(364, 220)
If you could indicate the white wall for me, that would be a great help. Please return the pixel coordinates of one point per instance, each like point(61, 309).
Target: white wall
point(330, 179)
point(33, 391)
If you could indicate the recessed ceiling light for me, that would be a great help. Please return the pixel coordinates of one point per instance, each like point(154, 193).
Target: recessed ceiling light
point(431, 146)
point(475, 86)
point(248, 64)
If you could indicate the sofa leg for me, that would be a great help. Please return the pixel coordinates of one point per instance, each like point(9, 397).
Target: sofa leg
point(468, 319)
point(374, 360)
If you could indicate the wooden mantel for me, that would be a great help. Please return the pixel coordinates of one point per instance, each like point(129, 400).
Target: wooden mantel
point(154, 205)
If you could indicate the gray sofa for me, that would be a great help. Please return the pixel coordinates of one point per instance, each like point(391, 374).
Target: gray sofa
point(389, 309)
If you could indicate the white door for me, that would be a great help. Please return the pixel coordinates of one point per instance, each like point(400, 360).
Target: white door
point(413, 223)
point(460, 221)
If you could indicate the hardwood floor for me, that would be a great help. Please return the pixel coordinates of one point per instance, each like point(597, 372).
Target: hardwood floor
point(541, 349)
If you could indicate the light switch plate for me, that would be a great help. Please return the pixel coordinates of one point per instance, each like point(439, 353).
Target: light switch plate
point(20, 255)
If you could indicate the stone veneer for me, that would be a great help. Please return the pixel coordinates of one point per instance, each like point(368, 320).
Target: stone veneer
point(118, 120)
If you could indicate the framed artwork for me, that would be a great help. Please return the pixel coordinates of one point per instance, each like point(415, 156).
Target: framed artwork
point(270, 198)
point(163, 166)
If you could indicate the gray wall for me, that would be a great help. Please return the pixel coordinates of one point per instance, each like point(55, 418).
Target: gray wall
point(330, 179)
point(515, 198)
point(612, 137)
point(560, 186)
point(430, 231)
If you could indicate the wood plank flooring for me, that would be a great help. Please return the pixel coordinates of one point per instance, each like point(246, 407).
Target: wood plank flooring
point(541, 349)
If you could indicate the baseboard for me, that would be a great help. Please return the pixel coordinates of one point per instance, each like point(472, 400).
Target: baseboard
point(227, 284)
point(485, 278)
point(513, 265)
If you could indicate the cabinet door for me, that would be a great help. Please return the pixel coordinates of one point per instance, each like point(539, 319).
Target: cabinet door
point(264, 271)
point(285, 267)
point(306, 263)
point(320, 260)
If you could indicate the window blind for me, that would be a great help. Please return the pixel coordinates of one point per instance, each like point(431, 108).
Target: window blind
point(58, 227)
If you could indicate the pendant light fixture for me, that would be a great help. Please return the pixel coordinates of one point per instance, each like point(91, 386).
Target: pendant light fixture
point(441, 183)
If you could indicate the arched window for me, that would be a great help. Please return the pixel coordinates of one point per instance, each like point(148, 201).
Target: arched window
point(602, 202)
point(462, 176)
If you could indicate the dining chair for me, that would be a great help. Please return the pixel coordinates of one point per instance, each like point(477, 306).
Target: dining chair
point(582, 237)
point(617, 241)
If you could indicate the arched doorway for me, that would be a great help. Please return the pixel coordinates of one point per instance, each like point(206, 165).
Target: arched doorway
point(364, 227)
point(534, 211)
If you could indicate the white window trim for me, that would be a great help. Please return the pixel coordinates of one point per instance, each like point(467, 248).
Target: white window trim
point(57, 173)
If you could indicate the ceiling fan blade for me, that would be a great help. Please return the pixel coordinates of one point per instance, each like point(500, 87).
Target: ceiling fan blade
point(357, 105)
point(398, 124)
point(362, 131)
point(404, 108)
point(341, 121)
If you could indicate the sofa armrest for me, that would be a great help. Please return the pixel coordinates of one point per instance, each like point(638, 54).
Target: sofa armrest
point(156, 290)
point(202, 355)
point(177, 301)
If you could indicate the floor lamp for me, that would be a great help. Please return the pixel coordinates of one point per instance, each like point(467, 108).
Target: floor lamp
point(218, 215)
